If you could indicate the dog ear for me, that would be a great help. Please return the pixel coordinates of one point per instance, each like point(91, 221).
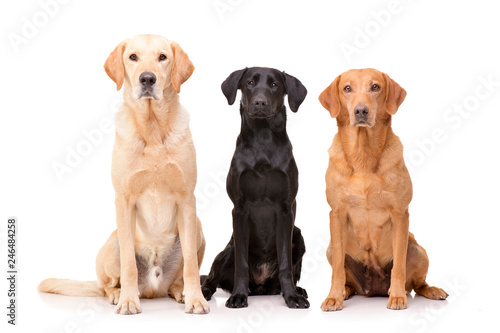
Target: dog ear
point(114, 65)
point(295, 90)
point(329, 98)
point(231, 84)
point(394, 95)
point(182, 67)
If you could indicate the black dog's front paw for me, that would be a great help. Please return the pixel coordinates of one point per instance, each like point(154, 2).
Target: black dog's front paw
point(296, 301)
point(237, 301)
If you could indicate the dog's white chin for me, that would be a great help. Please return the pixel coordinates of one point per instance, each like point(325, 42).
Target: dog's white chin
point(363, 124)
point(148, 96)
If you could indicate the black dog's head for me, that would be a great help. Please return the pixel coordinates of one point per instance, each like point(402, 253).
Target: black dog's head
point(263, 91)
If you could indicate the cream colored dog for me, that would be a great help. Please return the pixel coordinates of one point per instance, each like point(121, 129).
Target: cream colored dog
point(158, 246)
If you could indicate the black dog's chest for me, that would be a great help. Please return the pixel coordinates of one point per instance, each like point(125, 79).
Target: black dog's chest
point(263, 183)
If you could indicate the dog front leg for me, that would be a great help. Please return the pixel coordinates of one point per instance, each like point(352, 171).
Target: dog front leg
point(337, 250)
point(125, 220)
point(241, 233)
point(284, 231)
point(188, 233)
point(399, 227)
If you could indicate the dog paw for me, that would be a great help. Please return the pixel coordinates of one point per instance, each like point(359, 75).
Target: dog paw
point(197, 306)
point(397, 302)
point(207, 293)
point(301, 291)
point(297, 301)
point(333, 304)
point(128, 306)
point(433, 293)
point(114, 297)
point(179, 297)
point(237, 301)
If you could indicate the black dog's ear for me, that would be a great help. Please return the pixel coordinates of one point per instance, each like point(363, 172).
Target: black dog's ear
point(295, 90)
point(231, 84)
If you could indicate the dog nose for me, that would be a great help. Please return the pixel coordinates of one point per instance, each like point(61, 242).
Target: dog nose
point(361, 111)
point(147, 79)
point(260, 103)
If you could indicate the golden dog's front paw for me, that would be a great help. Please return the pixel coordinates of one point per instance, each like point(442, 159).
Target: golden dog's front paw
point(397, 302)
point(128, 306)
point(197, 306)
point(333, 304)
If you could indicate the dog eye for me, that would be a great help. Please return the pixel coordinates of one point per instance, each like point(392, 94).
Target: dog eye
point(274, 85)
point(250, 83)
point(133, 57)
point(375, 87)
point(347, 88)
point(162, 57)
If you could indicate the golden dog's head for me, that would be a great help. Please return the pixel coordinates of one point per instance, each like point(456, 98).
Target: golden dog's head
point(362, 96)
point(148, 65)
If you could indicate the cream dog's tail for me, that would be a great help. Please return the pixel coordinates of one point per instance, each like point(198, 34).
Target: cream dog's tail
point(71, 287)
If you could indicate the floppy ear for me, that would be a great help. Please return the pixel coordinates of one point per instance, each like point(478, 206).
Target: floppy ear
point(329, 98)
point(295, 90)
point(231, 84)
point(182, 67)
point(114, 65)
point(394, 95)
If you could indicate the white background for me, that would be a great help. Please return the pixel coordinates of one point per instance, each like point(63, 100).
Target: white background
point(53, 89)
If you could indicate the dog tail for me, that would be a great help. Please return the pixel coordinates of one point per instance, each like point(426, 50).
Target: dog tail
point(71, 287)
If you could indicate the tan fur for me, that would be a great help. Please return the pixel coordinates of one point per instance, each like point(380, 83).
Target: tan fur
point(369, 190)
point(154, 176)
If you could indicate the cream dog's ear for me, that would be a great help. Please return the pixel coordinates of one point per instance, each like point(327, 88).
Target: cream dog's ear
point(114, 65)
point(182, 67)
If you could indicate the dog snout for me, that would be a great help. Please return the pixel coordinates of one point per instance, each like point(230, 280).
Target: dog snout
point(260, 102)
point(361, 111)
point(147, 79)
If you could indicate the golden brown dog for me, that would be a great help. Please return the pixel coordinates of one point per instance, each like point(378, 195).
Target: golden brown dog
point(369, 189)
point(158, 245)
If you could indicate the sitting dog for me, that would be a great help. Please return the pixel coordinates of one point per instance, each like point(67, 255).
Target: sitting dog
point(264, 255)
point(369, 189)
point(158, 246)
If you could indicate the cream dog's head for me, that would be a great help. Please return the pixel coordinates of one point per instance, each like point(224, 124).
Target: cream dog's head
point(148, 65)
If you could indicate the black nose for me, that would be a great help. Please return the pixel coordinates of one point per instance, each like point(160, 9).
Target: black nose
point(147, 79)
point(260, 102)
point(361, 111)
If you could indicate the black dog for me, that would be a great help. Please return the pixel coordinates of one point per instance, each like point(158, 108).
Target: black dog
point(264, 255)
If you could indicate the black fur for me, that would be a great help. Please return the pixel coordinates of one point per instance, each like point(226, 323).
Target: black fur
point(264, 255)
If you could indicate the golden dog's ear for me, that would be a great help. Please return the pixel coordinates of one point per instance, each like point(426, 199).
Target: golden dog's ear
point(394, 95)
point(114, 65)
point(329, 98)
point(182, 67)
